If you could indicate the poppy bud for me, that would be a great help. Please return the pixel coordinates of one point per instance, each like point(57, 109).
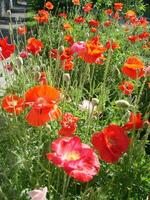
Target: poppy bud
point(19, 61)
point(61, 49)
point(95, 101)
point(66, 77)
point(122, 103)
point(8, 12)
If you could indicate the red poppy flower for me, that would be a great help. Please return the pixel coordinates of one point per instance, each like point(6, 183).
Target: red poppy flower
point(67, 64)
point(42, 17)
point(76, 2)
point(76, 158)
point(49, 5)
point(88, 7)
point(118, 6)
point(43, 100)
point(107, 23)
point(116, 16)
point(130, 14)
point(13, 104)
point(69, 39)
point(93, 22)
point(22, 30)
point(6, 49)
point(23, 54)
point(69, 124)
point(143, 35)
point(111, 143)
point(135, 122)
point(126, 87)
point(133, 67)
point(79, 20)
point(133, 38)
point(63, 14)
point(108, 12)
point(112, 45)
point(34, 46)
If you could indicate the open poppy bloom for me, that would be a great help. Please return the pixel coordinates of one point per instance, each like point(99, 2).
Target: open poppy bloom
point(42, 17)
point(76, 158)
point(69, 124)
point(43, 101)
point(135, 122)
point(69, 39)
point(108, 11)
point(49, 5)
point(6, 49)
point(90, 51)
point(76, 2)
point(67, 27)
point(13, 104)
point(22, 30)
point(63, 14)
point(118, 6)
point(107, 23)
point(111, 143)
point(126, 87)
point(88, 7)
point(93, 22)
point(34, 46)
point(79, 20)
point(130, 14)
point(133, 67)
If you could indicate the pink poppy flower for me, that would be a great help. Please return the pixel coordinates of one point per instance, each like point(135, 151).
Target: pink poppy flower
point(38, 194)
point(76, 158)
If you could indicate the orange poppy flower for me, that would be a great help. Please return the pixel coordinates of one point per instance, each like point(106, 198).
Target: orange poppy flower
point(93, 30)
point(118, 6)
point(107, 23)
point(43, 100)
point(130, 14)
point(67, 27)
point(67, 64)
point(34, 46)
point(22, 30)
point(13, 104)
point(42, 16)
point(133, 67)
point(76, 2)
point(49, 5)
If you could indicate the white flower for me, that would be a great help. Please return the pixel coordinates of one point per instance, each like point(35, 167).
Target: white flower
point(38, 194)
point(87, 106)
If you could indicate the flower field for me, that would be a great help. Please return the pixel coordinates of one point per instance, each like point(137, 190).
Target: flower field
point(75, 106)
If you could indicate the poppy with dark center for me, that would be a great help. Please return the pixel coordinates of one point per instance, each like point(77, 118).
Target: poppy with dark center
point(76, 158)
point(13, 104)
point(6, 49)
point(43, 100)
point(111, 143)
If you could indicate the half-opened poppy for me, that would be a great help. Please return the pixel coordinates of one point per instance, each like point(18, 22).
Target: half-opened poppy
point(111, 143)
point(43, 100)
point(6, 49)
point(76, 2)
point(135, 122)
point(118, 6)
point(94, 23)
point(34, 46)
point(79, 20)
point(88, 7)
point(42, 17)
point(76, 158)
point(69, 124)
point(126, 87)
point(22, 30)
point(13, 104)
point(49, 5)
point(69, 39)
point(133, 67)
